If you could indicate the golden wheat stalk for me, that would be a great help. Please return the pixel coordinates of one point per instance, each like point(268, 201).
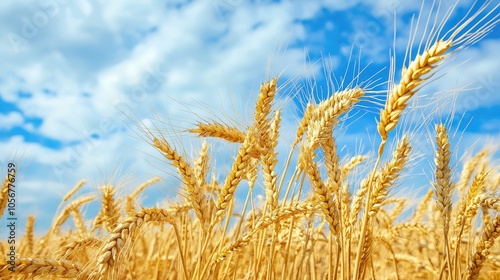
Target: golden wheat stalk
point(236, 174)
point(65, 213)
point(304, 123)
point(267, 220)
point(398, 96)
point(443, 185)
point(326, 114)
point(130, 199)
point(351, 164)
point(74, 247)
point(325, 197)
point(28, 245)
point(263, 108)
point(201, 165)
point(217, 130)
point(78, 186)
point(42, 267)
point(108, 255)
point(386, 177)
point(185, 170)
point(269, 160)
point(491, 203)
point(469, 168)
point(411, 78)
point(109, 207)
point(486, 241)
point(469, 206)
point(4, 193)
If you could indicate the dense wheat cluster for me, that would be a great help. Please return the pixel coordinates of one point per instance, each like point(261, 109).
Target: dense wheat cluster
point(319, 219)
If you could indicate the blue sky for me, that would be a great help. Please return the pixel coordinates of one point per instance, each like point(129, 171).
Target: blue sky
point(75, 72)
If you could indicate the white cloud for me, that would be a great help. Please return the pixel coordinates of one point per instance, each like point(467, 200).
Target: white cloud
point(472, 76)
point(10, 120)
point(491, 125)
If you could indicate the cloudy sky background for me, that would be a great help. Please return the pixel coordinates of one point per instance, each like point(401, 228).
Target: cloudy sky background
point(78, 76)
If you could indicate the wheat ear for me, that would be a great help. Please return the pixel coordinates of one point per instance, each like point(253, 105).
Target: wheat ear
point(398, 209)
point(396, 102)
point(366, 252)
point(109, 254)
point(422, 207)
point(144, 185)
point(325, 197)
point(470, 205)
point(110, 210)
point(351, 164)
point(468, 209)
point(236, 174)
point(263, 109)
point(383, 181)
point(217, 130)
point(75, 246)
point(487, 240)
point(78, 186)
point(185, 170)
point(491, 203)
point(326, 114)
point(332, 163)
point(274, 217)
point(42, 266)
point(79, 221)
point(389, 173)
point(442, 184)
point(4, 192)
point(411, 78)
point(98, 220)
point(201, 165)
point(357, 202)
point(65, 213)
point(468, 170)
point(29, 247)
point(269, 160)
point(129, 201)
point(304, 123)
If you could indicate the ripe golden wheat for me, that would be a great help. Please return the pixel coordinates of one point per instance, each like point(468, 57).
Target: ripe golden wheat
point(322, 221)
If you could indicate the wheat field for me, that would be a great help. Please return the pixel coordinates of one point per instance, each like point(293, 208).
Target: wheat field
point(319, 218)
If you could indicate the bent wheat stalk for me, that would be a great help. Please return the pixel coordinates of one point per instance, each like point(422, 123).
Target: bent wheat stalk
point(487, 240)
point(185, 170)
point(109, 254)
point(42, 266)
